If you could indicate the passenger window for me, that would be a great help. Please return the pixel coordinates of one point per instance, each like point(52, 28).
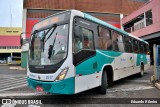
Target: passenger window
point(128, 44)
point(83, 39)
point(117, 41)
point(104, 39)
point(141, 48)
point(87, 39)
point(148, 51)
point(135, 46)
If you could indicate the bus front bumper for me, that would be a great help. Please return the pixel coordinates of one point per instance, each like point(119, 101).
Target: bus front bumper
point(65, 86)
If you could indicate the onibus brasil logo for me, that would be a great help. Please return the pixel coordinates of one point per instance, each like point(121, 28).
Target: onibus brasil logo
point(13, 102)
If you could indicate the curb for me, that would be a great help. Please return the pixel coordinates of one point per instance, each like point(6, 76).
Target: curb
point(3, 64)
point(155, 82)
point(157, 85)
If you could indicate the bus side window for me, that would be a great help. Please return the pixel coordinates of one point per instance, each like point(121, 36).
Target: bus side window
point(148, 51)
point(83, 39)
point(115, 41)
point(77, 42)
point(128, 44)
point(141, 48)
point(104, 38)
point(87, 39)
point(120, 43)
point(135, 46)
point(145, 49)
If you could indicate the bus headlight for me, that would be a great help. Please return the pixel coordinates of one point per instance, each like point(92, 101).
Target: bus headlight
point(62, 74)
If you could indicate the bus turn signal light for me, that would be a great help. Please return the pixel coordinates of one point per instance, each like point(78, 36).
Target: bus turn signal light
point(62, 75)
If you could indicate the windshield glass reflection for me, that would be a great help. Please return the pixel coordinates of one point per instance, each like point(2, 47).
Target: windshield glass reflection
point(49, 46)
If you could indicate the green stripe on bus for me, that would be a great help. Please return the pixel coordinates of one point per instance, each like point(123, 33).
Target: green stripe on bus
point(141, 58)
point(101, 58)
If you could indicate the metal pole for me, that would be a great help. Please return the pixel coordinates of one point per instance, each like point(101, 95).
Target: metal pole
point(10, 17)
point(154, 59)
point(157, 62)
point(144, 20)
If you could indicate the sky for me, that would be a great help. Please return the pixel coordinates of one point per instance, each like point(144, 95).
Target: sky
point(11, 13)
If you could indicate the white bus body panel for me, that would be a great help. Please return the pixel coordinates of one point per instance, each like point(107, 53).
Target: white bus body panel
point(86, 82)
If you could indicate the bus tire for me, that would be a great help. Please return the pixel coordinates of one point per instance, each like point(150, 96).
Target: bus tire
point(103, 87)
point(141, 74)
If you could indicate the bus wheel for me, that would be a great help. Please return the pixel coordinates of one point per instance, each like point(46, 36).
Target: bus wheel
point(141, 71)
point(103, 87)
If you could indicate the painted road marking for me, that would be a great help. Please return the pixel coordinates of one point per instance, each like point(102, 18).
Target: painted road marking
point(11, 83)
point(12, 87)
point(25, 94)
point(12, 76)
point(12, 80)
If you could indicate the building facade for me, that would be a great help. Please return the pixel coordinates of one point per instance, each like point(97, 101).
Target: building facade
point(145, 23)
point(111, 11)
point(10, 42)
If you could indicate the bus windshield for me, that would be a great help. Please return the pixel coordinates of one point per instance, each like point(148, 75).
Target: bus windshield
point(49, 46)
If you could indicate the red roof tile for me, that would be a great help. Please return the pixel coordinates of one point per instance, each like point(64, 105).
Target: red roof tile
point(9, 40)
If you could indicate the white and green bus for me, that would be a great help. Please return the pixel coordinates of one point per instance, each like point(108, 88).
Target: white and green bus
point(72, 51)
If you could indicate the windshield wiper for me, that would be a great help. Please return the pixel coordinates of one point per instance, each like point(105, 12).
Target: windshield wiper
point(51, 51)
point(55, 25)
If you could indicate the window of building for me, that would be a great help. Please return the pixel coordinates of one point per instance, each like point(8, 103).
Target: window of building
point(4, 47)
point(135, 46)
point(128, 44)
point(149, 18)
point(104, 38)
point(117, 42)
point(10, 47)
point(139, 22)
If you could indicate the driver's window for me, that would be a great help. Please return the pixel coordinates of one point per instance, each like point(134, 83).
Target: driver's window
point(83, 39)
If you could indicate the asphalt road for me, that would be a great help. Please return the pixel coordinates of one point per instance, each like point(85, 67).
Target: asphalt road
point(127, 91)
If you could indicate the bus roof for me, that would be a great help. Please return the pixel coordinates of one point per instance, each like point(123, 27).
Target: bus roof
point(94, 19)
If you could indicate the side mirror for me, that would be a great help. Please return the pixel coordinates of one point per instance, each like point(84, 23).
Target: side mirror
point(22, 40)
